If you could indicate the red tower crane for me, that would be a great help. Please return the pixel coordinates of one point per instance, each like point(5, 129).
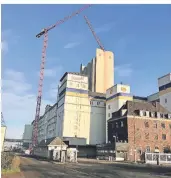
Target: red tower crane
point(94, 34)
point(45, 33)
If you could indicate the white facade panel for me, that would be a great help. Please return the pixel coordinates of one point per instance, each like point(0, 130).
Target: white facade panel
point(165, 101)
point(164, 80)
point(97, 122)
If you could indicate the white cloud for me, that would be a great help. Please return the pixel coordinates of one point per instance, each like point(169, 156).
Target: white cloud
point(18, 103)
point(124, 70)
point(8, 38)
point(105, 28)
point(4, 46)
point(71, 45)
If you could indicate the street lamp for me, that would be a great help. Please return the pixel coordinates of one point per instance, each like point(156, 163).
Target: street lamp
point(115, 145)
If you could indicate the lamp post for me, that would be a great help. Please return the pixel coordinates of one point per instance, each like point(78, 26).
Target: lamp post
point(115, 144)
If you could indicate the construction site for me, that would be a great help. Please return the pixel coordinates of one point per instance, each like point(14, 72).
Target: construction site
point(94, 117)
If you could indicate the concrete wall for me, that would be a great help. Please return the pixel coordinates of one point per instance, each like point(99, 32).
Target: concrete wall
point(74, 108)
point(100, 71)
point(47, 124)
point(164, 84)
point(97, 121)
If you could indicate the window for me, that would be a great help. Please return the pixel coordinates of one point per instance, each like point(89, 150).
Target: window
point(147, 149)
point(165, 100)
point(117, 125)
point(122, 124)
point(108, 106)
point(146, 124)
point(144, 113)
point(161, 115)
point(164, 136)
point(108, 114)
point(98, 103)
point(91, 102)
point(146, 135)
point(155, 125)
point(156, 137)
point(163, 125)
point(139, 150)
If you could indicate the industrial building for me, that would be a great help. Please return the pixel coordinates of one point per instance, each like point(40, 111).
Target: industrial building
point(78, 113)
point(145, 126)
point(27, 135)
point(88, 103)
point(100, 71)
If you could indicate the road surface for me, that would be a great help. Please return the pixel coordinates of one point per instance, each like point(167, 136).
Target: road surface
point(42, 169)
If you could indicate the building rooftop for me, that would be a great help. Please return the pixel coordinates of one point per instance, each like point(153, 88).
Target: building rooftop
point(97, 95)
point(51, 141)
point(74, 73)
point(131, 108)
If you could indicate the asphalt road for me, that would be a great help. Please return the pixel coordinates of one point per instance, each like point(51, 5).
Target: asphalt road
point(42, 169)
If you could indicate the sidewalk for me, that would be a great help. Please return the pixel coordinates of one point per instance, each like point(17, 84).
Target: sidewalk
point(95, 161)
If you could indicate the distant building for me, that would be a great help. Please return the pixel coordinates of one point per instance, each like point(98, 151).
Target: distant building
point(145, 126)
point(164, 84)
point(47, 123)
point(153, 97)
point(27, 135)
point(100, 71)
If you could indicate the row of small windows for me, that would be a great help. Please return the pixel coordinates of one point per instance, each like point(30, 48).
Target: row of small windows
point(78, 85)
point(98, 103)
point(155, 125)
point(118, 124)
point(147, 135)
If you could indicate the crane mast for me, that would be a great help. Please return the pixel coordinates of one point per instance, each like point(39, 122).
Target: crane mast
point(45, 42)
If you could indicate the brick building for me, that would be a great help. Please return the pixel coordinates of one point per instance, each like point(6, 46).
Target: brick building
point(145, 126)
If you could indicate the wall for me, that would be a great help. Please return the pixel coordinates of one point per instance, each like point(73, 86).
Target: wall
point(164, 84)
point(100, 71)
point(97, 121)
point(137, 134)
point(74, 108)
point(116, 97)
point(47, 124)
point(3, 131)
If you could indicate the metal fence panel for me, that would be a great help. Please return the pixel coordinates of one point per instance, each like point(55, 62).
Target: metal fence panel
point(164, 158)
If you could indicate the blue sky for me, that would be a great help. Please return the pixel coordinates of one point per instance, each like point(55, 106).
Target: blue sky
point(139, 36)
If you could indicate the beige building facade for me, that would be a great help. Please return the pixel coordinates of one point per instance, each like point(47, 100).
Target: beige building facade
point(100, 71)
point(3, 132)
point(73, 113)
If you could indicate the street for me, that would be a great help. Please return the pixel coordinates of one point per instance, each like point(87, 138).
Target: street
point(32, 167)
